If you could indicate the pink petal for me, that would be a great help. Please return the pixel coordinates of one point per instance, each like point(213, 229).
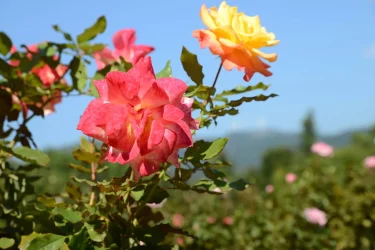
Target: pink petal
point(144, 73)
point(156, 134)
point(175, 88)
point(122, 87)
point(104, 57)
point(155, 97)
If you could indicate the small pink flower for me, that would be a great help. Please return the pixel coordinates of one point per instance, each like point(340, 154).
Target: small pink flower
point(211, 220)
point(228, 221)
point(180, 241)
point(269, 189)
point(47, 75)
point(322, 149)
point(315, 216)
point(123, 41)
point(178, 220)
point(290, 177)
point(369, 162)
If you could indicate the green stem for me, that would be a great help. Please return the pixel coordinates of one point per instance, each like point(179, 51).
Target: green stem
point(208, 100)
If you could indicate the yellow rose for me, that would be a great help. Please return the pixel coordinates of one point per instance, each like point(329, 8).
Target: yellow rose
point(236, 38)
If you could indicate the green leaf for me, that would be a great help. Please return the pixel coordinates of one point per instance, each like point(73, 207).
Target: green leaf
point(79, 74)
point(90, 33)
point(261, 97)
point(88, 182)
point(202, 90)
point(92, 90)
point(47, 242)
point(137, 193)
point(94, 235)
point(86, 145)
point(26, 239)
point(66, 35)
point(80, 240)
point(166, 71)
point(203, 150)
point(6, 243)
point(68, 214)
point(85, 156)
point(243, 89)
point(191, 66)
point(5, 44)
point(102, 169)
point(28, 155)
point(80, 168)
point(239, 185)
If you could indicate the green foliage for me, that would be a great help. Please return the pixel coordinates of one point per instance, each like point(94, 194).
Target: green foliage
point(191, 66)
point(5, 44)
point(308, 136)
point(166, 71)
point(6, 243)
point(90, 33)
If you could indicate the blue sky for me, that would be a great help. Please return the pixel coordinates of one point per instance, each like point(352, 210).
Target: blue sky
point(326, 56)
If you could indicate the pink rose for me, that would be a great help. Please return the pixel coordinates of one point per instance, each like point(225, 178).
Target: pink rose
point(290, 177)
point(369, 162)
point(211, 220)
point(322, 149)
point(144, 121)
point(47, 75)
point(123, 41)
point(269, 188)
point(178, 220)
point(228, 221)
point(315, 216)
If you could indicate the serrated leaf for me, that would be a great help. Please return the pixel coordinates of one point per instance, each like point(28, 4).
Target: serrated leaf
point(80, 168)
point(66, 35)
point(46, 242)
point(79, 180)
point(191, 66)
point(28, 155)
point(90, 33)
point(166, 71)
point(6, 243)
point(5, 44)
point(68, 214)
point(203, 150)
point(243, 89)
point(261, 97)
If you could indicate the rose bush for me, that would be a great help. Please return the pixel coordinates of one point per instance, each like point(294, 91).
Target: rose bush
point(138, 119)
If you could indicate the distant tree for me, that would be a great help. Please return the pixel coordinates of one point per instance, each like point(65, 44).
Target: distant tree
point(280, 157)
point(308, 135)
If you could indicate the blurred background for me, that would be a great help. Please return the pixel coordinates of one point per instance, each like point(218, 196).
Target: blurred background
point(325, 79)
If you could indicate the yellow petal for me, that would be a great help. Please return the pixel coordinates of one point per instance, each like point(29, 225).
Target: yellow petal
point(206, 18)
point(228, 43)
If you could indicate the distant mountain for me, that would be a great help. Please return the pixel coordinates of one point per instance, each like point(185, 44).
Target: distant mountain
point(246, 149)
